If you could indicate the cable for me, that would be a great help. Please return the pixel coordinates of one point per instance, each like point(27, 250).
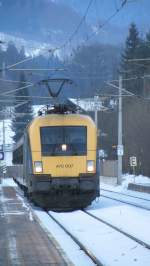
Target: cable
point(36, 69)
point(52, 50)
point(10, 67)
point(96, 9)
point(77, 28)
point(14, 81)
point(18, 89)
point(123, 89)
point(124, 2)
point(82, 20)
point(72, 35)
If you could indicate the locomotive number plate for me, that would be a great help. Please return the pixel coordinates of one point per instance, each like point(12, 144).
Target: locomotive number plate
point(64, 165)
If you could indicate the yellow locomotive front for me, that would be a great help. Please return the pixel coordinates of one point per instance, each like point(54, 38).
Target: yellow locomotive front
point(64, 166)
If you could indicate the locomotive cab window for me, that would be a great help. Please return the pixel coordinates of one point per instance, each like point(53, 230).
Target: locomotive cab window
point(63, 140)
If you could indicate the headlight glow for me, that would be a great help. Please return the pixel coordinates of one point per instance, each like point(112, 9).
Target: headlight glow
point(64, 147)
point(90, 166)
point(38, 167)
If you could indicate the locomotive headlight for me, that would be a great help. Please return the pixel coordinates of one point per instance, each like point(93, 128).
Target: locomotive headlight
point(64, 147)
point(38, 167)
point(90, 166)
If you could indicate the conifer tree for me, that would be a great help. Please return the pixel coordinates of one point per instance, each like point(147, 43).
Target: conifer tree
point(132, 42)
point(131, 69)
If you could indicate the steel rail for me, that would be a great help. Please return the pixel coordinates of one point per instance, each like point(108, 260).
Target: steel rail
point(124, 194)
point(97, 262)
point(142, 243)
point(126, 202)
point(82, 247)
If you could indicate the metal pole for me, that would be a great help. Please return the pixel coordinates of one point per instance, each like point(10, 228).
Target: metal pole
point(144, 87)
point(96, 109)
point(4, 71)
point(120, 146)
point(4, 161)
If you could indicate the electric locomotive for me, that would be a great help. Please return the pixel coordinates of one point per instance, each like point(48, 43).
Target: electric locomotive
point(59, 156)
point(60, 164)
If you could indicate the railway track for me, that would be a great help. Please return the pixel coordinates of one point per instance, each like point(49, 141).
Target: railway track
point(79, 243)
point(127, 199)
point(125, 194)
point(87, 251)
point(84, 246)
point(144, 244)
point(81, 246)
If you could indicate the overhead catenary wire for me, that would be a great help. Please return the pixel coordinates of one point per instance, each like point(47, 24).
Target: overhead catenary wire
point(37, 69)
point(20, 104)
point(56, 48)
point(124, 2)
point(138, 59)
point(24, 60)
point(15, 81)
point(26, 96)
point(77, 28)
point(9, 67)
point(123, 89)
point(18, 89)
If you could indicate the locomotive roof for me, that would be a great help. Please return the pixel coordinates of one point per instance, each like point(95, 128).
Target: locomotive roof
point(58, 118)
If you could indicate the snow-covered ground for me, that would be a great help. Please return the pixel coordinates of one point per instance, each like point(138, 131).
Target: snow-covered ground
point(126, 179)
point(108, 245)
point(135, 179)
point(130, 219)
point(72, 250)
point(8, 182)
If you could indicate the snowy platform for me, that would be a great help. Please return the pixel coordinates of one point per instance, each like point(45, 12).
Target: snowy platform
point(22, 240)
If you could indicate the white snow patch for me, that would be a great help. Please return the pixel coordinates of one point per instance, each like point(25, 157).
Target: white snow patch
point(8, 182)
point(108, 245)
point(68, 245)
point(143, 180)
point(99, 238)
point(130, 219)
point(135, 179)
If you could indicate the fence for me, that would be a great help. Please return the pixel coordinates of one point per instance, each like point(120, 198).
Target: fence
point(108, 168)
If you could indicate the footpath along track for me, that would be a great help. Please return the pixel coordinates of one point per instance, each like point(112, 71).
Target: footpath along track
point(127, 199)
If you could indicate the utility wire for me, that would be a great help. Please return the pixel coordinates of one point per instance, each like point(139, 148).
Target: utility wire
point(37, 69)
point(15, 81)
point(18, 89)
point(72, 35)
point(77, 28)
point(57, 48)
point(124, 2)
